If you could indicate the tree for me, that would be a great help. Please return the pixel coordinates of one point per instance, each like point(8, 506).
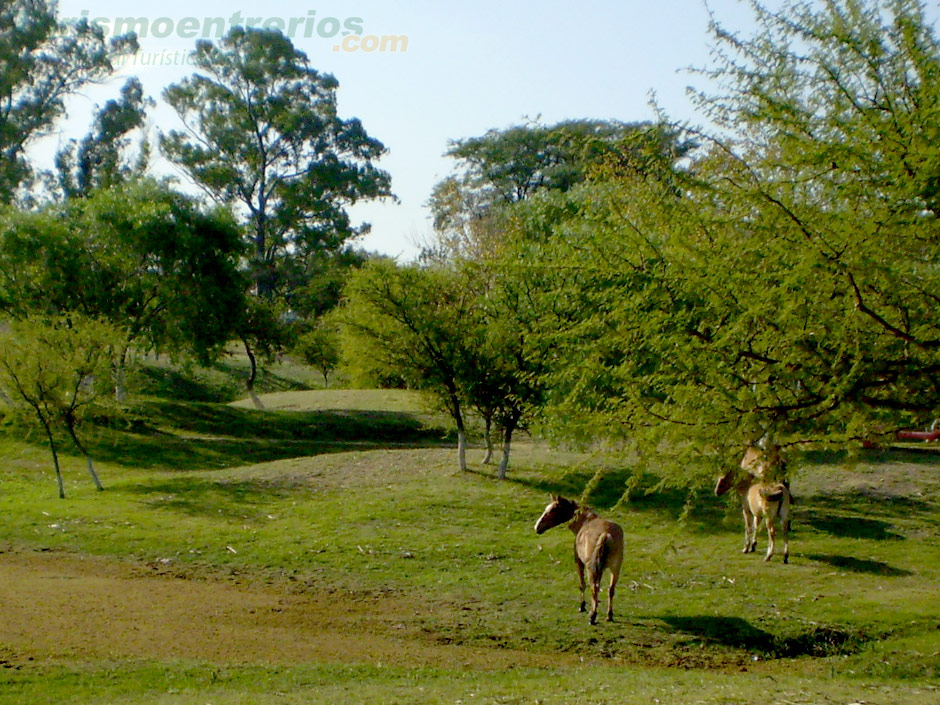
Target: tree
point(319, 346)
point(263, 133)
point(507, 387)
point(43, 63)
point(100, 160)
point(145, 258)
point(59, 372)
point(788, 290)
point(505, 167)
point(421, 324)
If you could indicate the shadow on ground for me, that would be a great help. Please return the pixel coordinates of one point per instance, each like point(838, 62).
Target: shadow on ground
point(191, 436)
point(859, 565)
point(738, 633)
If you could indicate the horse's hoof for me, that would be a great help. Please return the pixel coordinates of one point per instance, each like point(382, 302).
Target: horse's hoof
point(593, 619)
point(582, 608)
point(786, 559)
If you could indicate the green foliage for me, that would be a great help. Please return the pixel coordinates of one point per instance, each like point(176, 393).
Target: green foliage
point(59, 373)
point(43, 63)
point(505, 167)
point(265, 135)
point(784, 287)
point(418, 323)
point(319, 346)
point(99, 161)
point(142, 256)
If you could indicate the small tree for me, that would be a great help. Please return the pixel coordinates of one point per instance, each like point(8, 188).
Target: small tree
point(319, 347)
point(58, 372)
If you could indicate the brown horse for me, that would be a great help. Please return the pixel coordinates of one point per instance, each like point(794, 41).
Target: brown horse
point(598, 544)
point(760, 497)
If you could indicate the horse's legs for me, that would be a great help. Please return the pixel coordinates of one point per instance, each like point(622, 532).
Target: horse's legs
point(750, 530)
point(771, 533)
point(786, 541)
point(595, 590)
point(610, 595)
point(581, 579)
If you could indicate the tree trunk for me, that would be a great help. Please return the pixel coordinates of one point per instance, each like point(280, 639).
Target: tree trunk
point(55, 456)
point(488, 439)
point(120, 383)
point(81, 448)
point(462, 449)
point(250, 384)
point(457, 415)
point(507, 443)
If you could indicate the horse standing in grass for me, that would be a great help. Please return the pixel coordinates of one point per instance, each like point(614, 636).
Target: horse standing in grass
point(598, 544)
point(760, 497)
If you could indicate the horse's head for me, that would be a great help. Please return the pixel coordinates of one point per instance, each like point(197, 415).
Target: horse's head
point(559, 511)
point(726, 482)
point(756, 464)
point(754, 461)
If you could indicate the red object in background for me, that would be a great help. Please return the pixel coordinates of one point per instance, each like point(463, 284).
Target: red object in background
point(919, 435)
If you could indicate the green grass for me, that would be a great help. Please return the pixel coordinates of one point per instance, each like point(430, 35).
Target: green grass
point(198, 684)
point(352, 493)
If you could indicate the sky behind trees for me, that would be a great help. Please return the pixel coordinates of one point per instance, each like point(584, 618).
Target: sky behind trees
point(421, 73)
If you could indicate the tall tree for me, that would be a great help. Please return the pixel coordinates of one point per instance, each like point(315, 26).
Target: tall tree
point(263, 133)
point(505, 167)
point(43, 63)
point(789, 290)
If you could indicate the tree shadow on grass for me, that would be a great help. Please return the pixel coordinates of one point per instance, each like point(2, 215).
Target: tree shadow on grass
point(222, 383)
point(172, 435)
point(923, 453)
point(228, 499)
point(167, 383)
point(737, 633)
point(849, 526)
point(859, 565)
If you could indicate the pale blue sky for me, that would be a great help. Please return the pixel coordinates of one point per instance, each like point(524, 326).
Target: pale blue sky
point(468, 67)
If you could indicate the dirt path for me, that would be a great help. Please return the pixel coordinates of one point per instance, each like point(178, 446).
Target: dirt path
point(56, 607)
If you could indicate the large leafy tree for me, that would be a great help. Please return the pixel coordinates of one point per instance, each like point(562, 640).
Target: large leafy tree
point(263, 133)
point(788, 291)
point(42, 62)
point(475, 211)
point(506, 167)
point(147, 259)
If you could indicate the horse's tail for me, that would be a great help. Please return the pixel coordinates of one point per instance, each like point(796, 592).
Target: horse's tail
point(781, 499)
point(599, 555)
point(774, 493)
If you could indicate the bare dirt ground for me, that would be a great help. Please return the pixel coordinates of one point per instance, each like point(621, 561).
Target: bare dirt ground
point(64, 608)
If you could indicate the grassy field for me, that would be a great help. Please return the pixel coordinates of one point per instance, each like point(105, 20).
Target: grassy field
point(325, 549)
